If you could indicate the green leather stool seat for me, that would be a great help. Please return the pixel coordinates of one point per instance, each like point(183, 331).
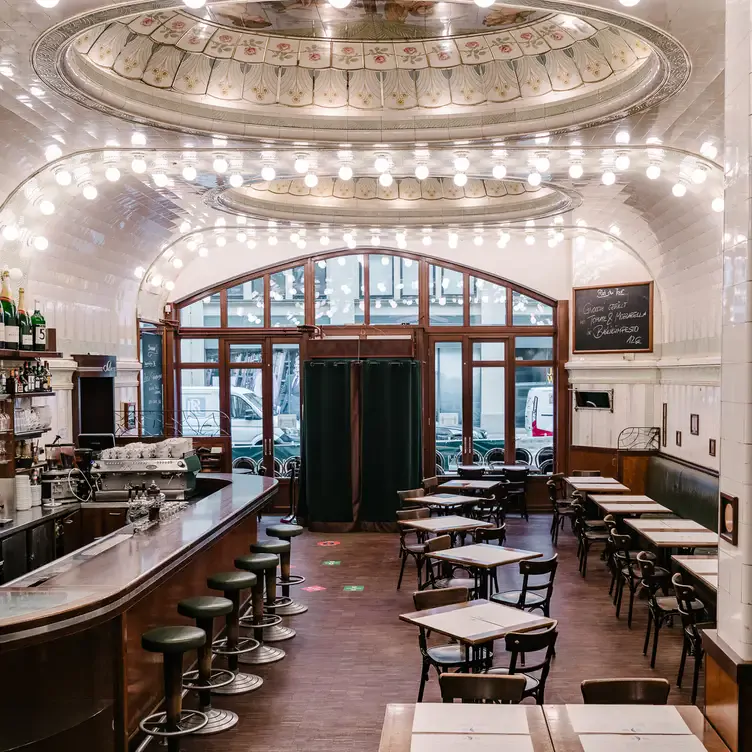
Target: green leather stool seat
point(284, 531)
point(204, 607)
point(257, 562)
point(271, 547)
point(173, 639)
point(226, 581)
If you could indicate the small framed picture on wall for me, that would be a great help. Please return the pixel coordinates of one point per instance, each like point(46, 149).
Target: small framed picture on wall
point(664, 425)
point(729, 526)
point(711, 447)
point(678, 438)
point(694, 424)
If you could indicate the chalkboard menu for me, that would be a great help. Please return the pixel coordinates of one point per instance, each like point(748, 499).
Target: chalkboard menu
point(151, 384)
point(613, 319)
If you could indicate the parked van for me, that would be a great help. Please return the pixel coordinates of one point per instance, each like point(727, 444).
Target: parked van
point(201, 416)
point(539, 411)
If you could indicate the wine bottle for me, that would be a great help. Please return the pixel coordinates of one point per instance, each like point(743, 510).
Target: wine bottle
point(10, 314)
point(40, 328)
point(26, 333)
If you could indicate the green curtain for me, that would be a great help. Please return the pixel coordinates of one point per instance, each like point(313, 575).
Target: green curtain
point(326, 446)
point(390, 420)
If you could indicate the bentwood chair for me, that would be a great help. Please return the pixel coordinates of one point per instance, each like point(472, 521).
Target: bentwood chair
point(481, 688)
point(587, 536)
point(471, 473)
point(561, 507)
point(536, 595)
point(625, 691)
point(441, 657)
point(412, 550)
point(628, 572)
point(693, 620)
point(518, 645)
point(440, 574)
point(497, 535)
point(430, 484)
point(413, 493)
point(516, 488)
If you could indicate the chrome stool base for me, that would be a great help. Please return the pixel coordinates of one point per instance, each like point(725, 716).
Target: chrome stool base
point(293, 609)
point(191, 721)
point(264, 654)
point(293, 579)
point(241, 684)
point(278, 633)
point(245, 645)
point(220, 677)
point(219, 721)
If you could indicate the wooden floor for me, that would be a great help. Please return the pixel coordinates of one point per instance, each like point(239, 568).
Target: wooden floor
point(352, 655)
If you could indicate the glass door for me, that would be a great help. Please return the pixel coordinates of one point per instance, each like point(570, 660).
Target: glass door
point(492, 432)
point(285, 406)
point(448, 401)
point(250, 426)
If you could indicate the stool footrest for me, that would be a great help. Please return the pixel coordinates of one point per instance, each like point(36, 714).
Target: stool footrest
point(293, 579)
point(278, 603)
point(267, 620)
point(219, 677)
point(245, 645)
point(190, 721)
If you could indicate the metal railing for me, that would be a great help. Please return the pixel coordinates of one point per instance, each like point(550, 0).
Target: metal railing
point(639, 439)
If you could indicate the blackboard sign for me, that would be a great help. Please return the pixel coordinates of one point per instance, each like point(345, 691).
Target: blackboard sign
point(613, 319)
point(151, 384)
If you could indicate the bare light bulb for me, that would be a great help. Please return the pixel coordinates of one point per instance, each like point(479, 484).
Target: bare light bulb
point(608, 178)
point(478, 240)
point(169, 285)
point(345, 172)
point(63, 178)
point(220, 165)
point(90, 192)
point(41, 243)
point(499, 172)
point(311, 180)
point(160, 179)
point(272, 240)
point(718, 204)
point(138, 166)
point(177, 263)
point(385, 179)
point(460, 179)
point(622, 137)
point(221, 241)
point(622, 162)
point(236, 180)
point(461, 164)
point(421, 171)
point(194, 4)
point(381, 163)
point(268, 173)
point(112, 174)
point(679, 189)
point(203, 251)
point(339, 4)
point(542, 163)
point(530, 239)
point(709, 150)
point(46, 207)
point(47, 3)
point(534, 179)
point(653, 171)
point(138, 139)
point(189, 173)
point(484, 3)
point(699, 175)
point(576, 171)
point(10, 232)
point(301, 165)
point(53, 152)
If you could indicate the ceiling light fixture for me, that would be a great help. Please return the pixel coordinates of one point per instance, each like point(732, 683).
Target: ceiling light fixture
point(194, 4)
point(381, 163)
point(311, 180)
point(236, 180)
point(138, 165)
point(530, 239)
point(534, 178)
point(478, 240)
point(653, 171)
point(709, 150)
point(169, 285)
point(138, 139)
point(679, 189)
point(63, 178)
point(339, 4)
point(699, 175)
point(484, 3)
point(241, 237)
point(268, 173)
point(385, 179)
point(112, 174)
point(301, 164)
point(46, 207)
point(177, 263)
point(47, 3)
point(608, 177)
point(622, 137)
point(160, 179)
point(427, 240)
point(622, 162)
point(10, 232)
point(53, 152)
point(203, 251)
point(324, 240)
point(185, 226)
point(542, 163)
point(345, 172)
point(139, 272)
point(221, 241)
point(629, 3)
point(251, 244)
point(718, 204)
point(421, 171)
point(90, 191)
point(499, 172)
point(461, 163)
point(576, 170)
point(41, 243)
point(375, 239)
point(460, 179)
point(189, 173)
point(453, 239)
point(220, 165)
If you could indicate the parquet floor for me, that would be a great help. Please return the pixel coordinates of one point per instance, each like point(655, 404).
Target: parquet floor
point(352, 655)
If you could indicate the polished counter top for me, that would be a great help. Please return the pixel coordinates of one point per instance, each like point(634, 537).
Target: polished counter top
point(102, 578)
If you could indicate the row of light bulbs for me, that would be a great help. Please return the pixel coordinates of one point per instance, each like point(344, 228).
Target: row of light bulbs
point(339, 4)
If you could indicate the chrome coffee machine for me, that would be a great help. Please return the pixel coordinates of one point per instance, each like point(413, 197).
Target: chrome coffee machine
point(115, 478)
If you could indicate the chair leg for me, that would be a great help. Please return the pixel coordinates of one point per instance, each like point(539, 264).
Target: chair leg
point(631, 605)
point(647, 633)
point(402, 570)
point(586, 551)
point(696, 677)
point(681, 663)
point(419, 566)
point(619, 596)
point(423, 680)
point(655, 643)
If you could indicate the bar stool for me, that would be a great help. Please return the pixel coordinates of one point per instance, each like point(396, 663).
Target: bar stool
point(287, 533)
point(204, 609)
point(275, 633)
point(260, 564)
point(233, 645)
point(174, 722)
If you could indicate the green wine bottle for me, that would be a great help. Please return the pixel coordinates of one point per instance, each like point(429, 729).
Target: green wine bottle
point(40, 328)
point(10, 315)
point(24, 323)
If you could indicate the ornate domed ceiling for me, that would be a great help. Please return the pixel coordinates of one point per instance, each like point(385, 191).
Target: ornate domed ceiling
point(401, 69)
point(407, 201)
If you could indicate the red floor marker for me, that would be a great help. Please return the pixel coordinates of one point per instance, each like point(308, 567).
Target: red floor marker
point(328, 543)
point(313, 588)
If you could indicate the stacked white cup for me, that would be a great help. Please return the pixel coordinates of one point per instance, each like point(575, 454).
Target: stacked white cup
point(23, 493)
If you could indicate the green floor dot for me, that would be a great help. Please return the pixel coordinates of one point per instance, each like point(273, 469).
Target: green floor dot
point(353, 588)
point(331, 563)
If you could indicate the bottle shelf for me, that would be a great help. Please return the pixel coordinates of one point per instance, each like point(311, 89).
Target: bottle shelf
point(28, 354)
point(33, 394)
point(30, 434)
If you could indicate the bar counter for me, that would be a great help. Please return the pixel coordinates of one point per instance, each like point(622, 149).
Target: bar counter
point(74, 675)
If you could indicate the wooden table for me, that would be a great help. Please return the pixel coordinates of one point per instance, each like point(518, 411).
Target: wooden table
point(647, 507)
point(621, 498)
point(592, 479)
point(396, 735)
point(702, 566)
point(459, 485)
point(680, 539)
point(668, 523)
point(449, 524)
point(482, 558)
point(476, 623)
point(444, 500)
point(584, 728)
point(588, 486)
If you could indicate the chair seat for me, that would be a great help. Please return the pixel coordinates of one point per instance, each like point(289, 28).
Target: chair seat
point(284, 531)
point(512, 598)
point(173, 639)
point(204, 607)
point(447, 655)
point(467, 582)
point(416, 548)
point(595, 524)
point(530, 681)
point(669, 603)
point(660, 572)
point(235, 580)
point(277, 546)
point(257, 562)
point(592, 535)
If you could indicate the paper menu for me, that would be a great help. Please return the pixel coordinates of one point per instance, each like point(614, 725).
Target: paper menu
point(464, 718)
point(470, 743)
point(641, 743)
point(626, 719)
point(455, 623)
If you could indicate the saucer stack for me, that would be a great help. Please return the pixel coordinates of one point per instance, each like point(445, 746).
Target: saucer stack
point(23, 493)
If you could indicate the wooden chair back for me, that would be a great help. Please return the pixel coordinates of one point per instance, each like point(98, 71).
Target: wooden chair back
point(481, 688)
point(625, 691)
